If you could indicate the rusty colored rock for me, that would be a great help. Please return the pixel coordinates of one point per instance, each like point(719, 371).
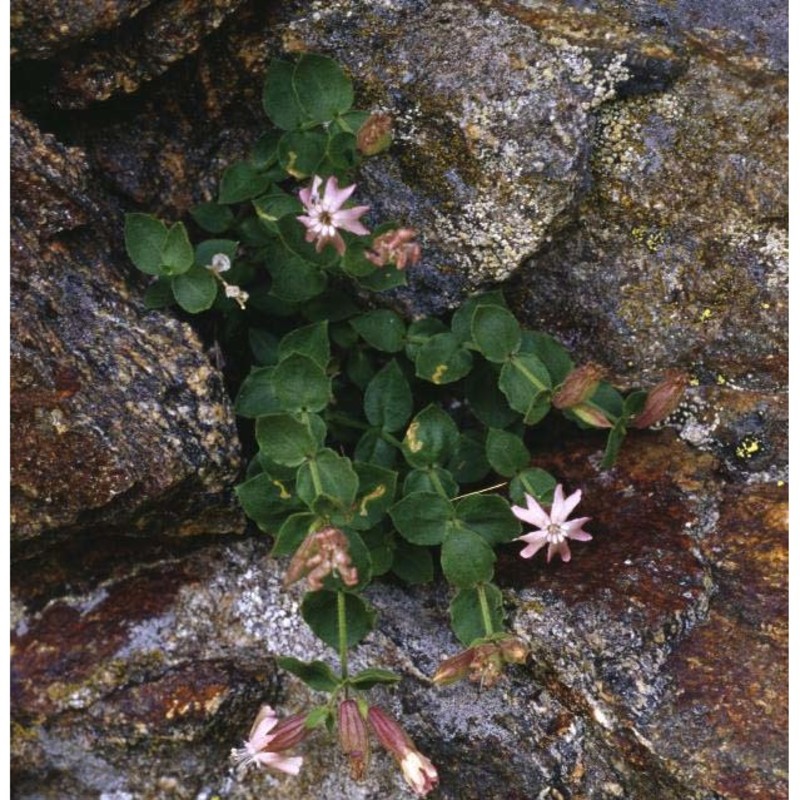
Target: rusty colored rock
point(118, 419)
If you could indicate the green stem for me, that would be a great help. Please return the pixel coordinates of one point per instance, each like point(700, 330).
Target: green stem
point(437, 484)
point(485, 613)
point(341, 613)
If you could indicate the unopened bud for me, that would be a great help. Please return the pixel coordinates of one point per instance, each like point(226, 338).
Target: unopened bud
point(591, 415)
point(454, 669)
point(578, 386)
point(375, 135)
point(662, 400)
point(353, 738)
point(289, 732)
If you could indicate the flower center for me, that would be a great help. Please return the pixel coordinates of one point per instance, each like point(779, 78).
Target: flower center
point(555, 533)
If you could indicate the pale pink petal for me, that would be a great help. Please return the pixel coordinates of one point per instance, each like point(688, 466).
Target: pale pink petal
point(338, 243)
point(264, 722)
point(580, 536)
point(562, 548)
point(536, 541)
point(573, 527)
point(310, 193)
point(307, 221)
point(335, 197)
point(289, 764)
point(563, 508)
point(348, 219)
point(533, 514)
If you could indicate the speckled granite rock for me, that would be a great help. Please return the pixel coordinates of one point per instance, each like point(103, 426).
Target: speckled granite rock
point(140, 677)
point(39, 29)
point(118, 419)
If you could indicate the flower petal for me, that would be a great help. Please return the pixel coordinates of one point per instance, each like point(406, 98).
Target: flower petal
point(348, 219)
point(535, 543)
point(335, 197)
point(563, 508)
point(533, 514)
point(265, 721)
point(288, 764)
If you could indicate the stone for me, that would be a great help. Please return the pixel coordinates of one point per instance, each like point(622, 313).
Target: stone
point(119, 420)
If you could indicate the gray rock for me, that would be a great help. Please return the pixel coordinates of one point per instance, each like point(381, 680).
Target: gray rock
point(119, 421)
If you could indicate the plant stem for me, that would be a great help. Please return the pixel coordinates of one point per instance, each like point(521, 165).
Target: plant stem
point(341, 614)
point(481, 491)
point(485, 613)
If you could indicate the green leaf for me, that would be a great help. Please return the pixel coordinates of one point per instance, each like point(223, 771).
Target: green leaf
point(552, 354)
point(145, 237)
point(159, 294)
point(311, 341)
point(419, 332)
point(354, 261)
point(466, 558)
point(264, 346)
point(469, 464)
point(276, 204)
point(466, 616)
point(613, 445)
point(383, 279)
point(321, 87)
point(430, 479)
point(506, 452)
point(376, 488)
point(301, 152)
point(485, 399)
point(292, 533)
point(525, 382)
point(372, 448)
point(341, 151)
point(328, 476)
point(351, 121)
point(205, 251)
point(319, 610)
point(265, 150)
point(608, 399)
point(387, 400)
point(421, 517)
point(431, 438)
point(383, 329)
point(496, 332)
point(301, 384)
point(535, 482)
point(412, 563)
point(315, 674)
point(195, 290)
point(461, 323)
point(634, 404)
point(212, 217)
point(289, 439)
point(257, 394)
point(313, 90)
point(294, 279)
point(241, 181)
point(442, 359)
point(372, 676)
point(488, 515)
point(266, 501)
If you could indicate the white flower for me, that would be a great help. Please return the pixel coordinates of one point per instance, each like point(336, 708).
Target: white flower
point(219, 263)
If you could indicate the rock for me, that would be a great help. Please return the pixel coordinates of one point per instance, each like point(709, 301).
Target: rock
point(119, 421)
point(142, 676)
point(139, 48)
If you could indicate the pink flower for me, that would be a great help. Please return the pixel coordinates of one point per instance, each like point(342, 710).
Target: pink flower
point(395, 247)
point(268, 741)
point(325, 215)
point(418, 771)
point(553, 529)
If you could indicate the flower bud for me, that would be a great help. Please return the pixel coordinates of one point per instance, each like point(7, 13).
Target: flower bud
point(418, 771)
point(353, 738)
point(375, 135)
point(395, 247)
point(591, 415)
point(662, 400)
point(289, 732)
point(578, 386)
point(454, 669)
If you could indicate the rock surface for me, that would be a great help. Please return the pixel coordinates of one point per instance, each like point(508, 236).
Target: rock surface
point(140, 678)
point(119, 420)
point(649, 141)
